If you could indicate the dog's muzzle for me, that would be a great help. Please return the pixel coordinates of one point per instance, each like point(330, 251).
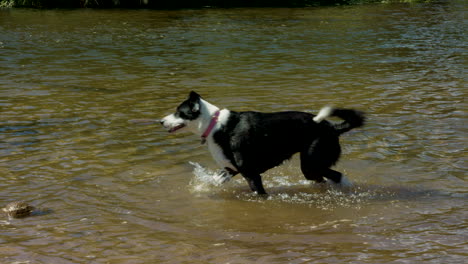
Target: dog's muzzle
point(172, 124)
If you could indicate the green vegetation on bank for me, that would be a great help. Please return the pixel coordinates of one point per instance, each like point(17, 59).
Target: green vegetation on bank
point(174, 4)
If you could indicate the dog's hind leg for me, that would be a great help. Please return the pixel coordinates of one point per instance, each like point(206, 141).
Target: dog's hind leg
point(318, 157)
point(255, 183)
point(318, 174)
point(333, 175)
point(312, 174)
point(337, 178)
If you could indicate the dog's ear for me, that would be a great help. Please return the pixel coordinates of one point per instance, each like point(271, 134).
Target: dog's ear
point(194, 96)
point(194, 100)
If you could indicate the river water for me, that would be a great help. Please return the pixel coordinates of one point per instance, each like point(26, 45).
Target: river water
point(112, 191)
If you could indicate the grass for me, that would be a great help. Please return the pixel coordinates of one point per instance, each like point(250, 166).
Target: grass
point(7, 3)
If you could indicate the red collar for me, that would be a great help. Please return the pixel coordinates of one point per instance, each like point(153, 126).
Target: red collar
point(210, 127)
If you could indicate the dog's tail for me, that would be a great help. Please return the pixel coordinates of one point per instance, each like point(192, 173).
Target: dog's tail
point(352, 118)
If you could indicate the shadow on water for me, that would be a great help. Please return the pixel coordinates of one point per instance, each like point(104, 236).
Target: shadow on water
point(42, 211)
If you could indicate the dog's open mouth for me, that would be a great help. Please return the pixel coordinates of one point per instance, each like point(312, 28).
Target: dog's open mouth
point(174, 129)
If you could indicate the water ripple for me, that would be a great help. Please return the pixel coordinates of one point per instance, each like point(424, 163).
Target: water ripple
point(123, 192)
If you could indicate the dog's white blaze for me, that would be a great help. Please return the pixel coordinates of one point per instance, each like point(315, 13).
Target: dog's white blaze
point(324, 113)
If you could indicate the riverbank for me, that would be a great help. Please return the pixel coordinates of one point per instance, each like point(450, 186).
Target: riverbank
point(178, 4)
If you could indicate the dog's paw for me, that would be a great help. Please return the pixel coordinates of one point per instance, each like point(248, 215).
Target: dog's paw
point(222, 177)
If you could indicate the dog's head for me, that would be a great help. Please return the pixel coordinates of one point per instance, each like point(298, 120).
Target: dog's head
point(187, 112)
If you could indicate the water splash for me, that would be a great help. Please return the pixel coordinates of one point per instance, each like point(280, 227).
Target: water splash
point(285, 187)
point(326, 198)
point(204, 178)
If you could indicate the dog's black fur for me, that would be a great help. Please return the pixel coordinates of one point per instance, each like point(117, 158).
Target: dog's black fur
point(255, 142)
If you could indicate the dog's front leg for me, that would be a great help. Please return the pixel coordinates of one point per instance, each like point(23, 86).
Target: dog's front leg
point(224, 175)
point(255, 183)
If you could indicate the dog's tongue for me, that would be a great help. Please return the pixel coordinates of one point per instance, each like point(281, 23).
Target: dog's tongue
point(176, 128)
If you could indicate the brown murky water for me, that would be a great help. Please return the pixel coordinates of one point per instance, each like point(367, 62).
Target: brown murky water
point(118, 192)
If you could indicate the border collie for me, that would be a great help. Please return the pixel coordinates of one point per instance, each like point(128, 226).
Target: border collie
point(251, 143)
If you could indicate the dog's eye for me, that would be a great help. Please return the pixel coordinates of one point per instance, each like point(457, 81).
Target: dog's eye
point(188, 112)
point(183, 115)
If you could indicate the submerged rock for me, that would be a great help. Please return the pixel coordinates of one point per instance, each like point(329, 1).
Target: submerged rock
point(18, 209)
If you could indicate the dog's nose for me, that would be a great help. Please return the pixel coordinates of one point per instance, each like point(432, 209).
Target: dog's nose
point(161, 122)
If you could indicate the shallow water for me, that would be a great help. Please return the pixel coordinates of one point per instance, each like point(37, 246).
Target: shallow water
point(118, 192)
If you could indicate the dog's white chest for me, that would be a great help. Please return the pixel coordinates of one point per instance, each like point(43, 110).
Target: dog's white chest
point(218, 155)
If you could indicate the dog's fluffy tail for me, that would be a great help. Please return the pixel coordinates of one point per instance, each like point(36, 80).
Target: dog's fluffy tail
point(352, 118)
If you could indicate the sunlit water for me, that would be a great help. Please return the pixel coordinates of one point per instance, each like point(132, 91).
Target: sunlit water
point(114, 191)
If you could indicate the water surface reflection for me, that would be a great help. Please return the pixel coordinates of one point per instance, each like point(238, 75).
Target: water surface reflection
point(125, 193)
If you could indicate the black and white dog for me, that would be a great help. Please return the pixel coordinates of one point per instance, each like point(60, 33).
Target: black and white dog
point(251, 143)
